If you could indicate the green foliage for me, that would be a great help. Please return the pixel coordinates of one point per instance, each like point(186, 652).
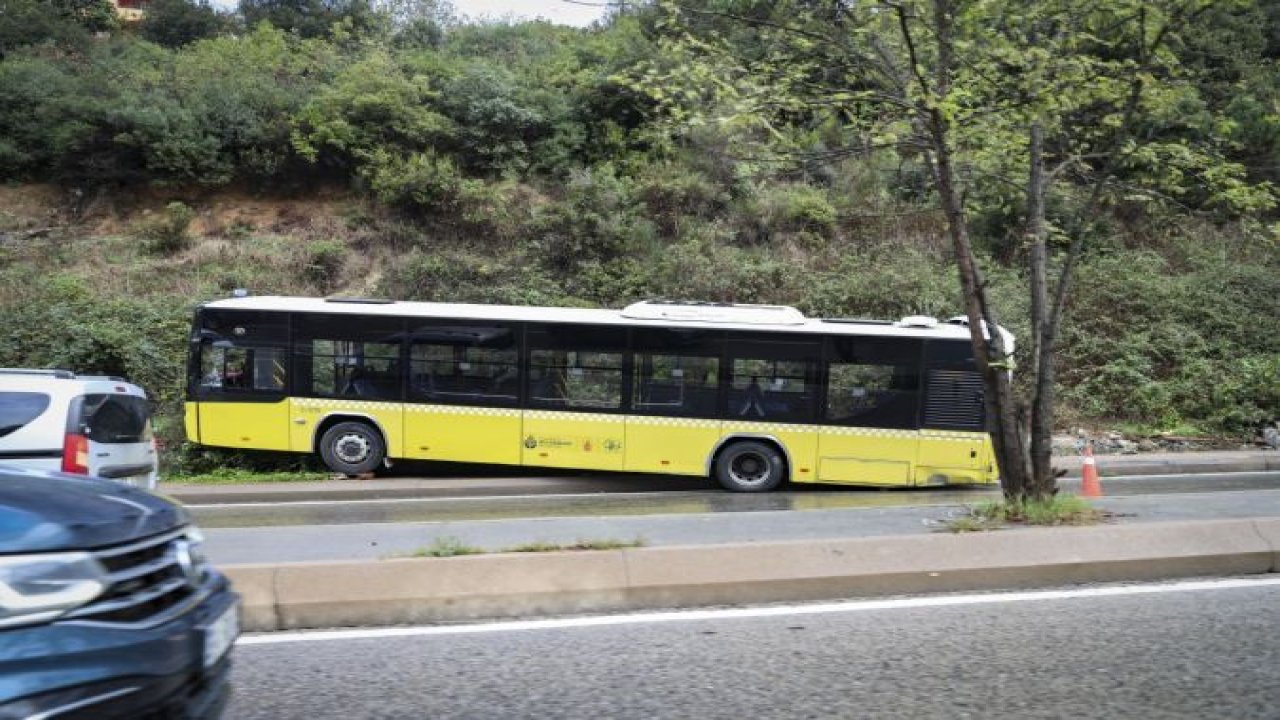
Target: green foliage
point(371, 113)
point(775, 212)
point(61, 322)
point(447, 546)
point(1058, 510)
point(578, 545)
point(1160, 344)
point(174, 23)
point(68, 23)
point(598, 219)
point(238, 476)
point(423, 182)
point(312, 18)
point(170, 232)
point(325, 259)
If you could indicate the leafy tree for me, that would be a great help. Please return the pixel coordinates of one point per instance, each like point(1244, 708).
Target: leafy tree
point(311, 18)
point(978, 93)
point(67, 22)
point(372, 109)
point(174, 23)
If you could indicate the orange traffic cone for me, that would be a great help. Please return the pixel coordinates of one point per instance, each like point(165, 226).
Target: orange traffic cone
point(1089, 484)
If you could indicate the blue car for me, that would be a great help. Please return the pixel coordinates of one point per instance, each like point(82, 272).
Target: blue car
point(107, 606)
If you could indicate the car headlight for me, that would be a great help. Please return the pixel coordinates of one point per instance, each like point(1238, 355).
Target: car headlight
point(35, 588)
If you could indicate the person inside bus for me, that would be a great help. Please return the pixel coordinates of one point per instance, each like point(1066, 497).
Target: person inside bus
point(753, 399)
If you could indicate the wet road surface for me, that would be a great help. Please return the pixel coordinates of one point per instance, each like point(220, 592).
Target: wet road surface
point(464, 500)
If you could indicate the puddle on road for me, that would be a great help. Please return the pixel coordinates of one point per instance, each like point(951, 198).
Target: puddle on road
point(630, 504)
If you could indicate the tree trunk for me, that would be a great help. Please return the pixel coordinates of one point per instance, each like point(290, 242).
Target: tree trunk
point(992, 356)
point(1042, 482)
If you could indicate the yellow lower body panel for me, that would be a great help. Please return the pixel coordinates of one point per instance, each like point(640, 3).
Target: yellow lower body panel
point(679, 446)
point(867, 456)
point(462, 434)
point(573, 440)
point(955, 458)
point(260, 426)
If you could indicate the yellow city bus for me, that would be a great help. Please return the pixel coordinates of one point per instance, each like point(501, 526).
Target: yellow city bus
point(751, 395)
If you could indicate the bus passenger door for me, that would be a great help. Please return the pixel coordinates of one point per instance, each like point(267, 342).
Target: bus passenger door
point(676, 392)
point(463, 391)
point(871, 412)
point(575, 396)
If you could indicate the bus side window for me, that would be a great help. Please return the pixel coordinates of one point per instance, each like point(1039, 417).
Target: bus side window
point(873, 382)
point(676, 385)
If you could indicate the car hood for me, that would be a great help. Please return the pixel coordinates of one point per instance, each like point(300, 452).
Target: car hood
point(47, 512)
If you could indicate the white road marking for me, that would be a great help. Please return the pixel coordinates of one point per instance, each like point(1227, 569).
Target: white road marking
point(758, 612)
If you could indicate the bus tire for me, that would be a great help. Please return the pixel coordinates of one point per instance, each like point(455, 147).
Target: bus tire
point(750, 467)
point(352, 448)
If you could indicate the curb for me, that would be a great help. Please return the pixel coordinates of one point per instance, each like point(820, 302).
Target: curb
point(467, 588)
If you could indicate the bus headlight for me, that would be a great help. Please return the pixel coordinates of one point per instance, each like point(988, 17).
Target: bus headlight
point(36, 588)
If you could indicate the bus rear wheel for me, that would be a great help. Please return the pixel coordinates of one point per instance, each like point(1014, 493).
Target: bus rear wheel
point(352, 448)
point(750, 467)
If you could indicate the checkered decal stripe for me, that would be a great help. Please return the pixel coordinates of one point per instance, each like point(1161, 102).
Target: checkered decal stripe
point(364, 405)
point(578, 417)
point(673, 422)
point(647, 420)
point(462, 410)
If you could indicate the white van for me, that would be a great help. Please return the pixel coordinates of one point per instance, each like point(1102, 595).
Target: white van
point(85, 425)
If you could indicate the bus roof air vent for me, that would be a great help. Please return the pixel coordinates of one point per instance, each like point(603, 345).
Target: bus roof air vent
point(918, 321)
point(714, 312)
point(360, 301)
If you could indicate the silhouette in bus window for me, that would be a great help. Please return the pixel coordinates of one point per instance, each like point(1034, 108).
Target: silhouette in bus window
point(753, 399)
point(233, 376)
point(358, 383)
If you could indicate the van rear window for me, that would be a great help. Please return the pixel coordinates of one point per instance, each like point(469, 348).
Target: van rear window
point(115, 418)
point(19, 408)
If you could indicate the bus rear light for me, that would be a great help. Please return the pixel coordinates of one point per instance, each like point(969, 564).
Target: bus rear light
point(75, 454)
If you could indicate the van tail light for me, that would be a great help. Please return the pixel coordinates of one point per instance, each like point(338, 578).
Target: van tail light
point(75, 454)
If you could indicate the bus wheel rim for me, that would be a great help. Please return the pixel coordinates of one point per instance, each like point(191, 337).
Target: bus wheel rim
point(351, 448)
point(749, 469)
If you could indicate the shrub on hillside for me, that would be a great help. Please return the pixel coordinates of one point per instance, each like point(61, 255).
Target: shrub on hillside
point(169, 232)
point(598, 220)
point(773, 212)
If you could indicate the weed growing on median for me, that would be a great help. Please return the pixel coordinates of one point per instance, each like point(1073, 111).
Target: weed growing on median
point(603, 544)
point(447, 546)
point(236, 476)
point(452, 547)
point(995, 514)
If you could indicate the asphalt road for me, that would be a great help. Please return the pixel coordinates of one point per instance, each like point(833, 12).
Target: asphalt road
point(1175, 653)
point(405, 527)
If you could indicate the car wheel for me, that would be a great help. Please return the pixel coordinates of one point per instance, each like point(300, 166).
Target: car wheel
point(352, 448)
point(750, 467)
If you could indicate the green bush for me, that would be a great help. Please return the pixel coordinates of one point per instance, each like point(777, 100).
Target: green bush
point(169, 233)
point(422, 183)
point(324, 259)
point(598, 220)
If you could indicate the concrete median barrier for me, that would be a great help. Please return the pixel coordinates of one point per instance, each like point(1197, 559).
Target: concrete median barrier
point(438, 590)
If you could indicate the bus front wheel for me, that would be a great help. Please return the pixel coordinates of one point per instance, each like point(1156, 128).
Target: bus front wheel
point(750, 467)
point(352, 448)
